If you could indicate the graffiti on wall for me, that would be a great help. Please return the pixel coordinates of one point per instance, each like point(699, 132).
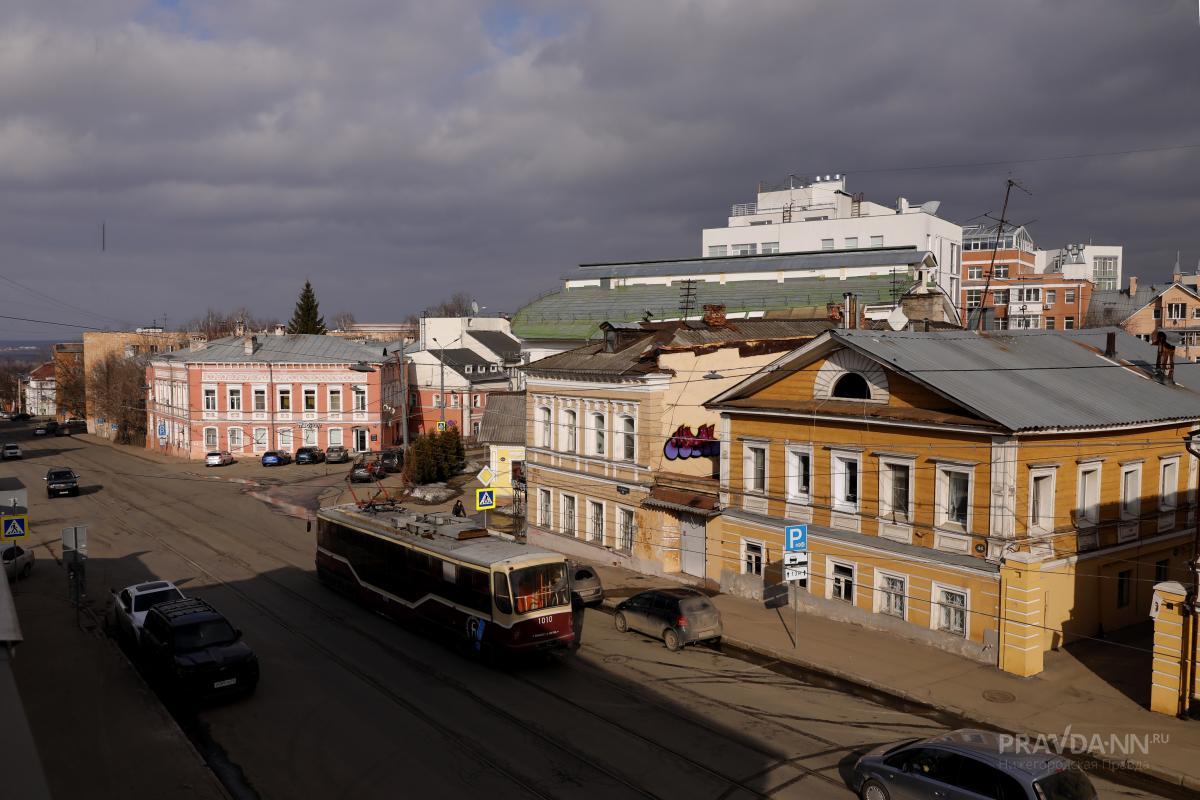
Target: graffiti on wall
point(685, 444)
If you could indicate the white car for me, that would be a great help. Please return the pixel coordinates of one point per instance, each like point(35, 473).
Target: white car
point(11, 451)
point(17, 561)
point(133, 602)
point(218, 458)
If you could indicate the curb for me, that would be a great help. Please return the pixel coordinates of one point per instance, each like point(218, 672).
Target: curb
point(1145, 772)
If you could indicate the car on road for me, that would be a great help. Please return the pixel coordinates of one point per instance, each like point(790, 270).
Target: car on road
point(42, 428)
point(585, 582)
point(392, 460)
point(337, 454)
point(11, 450)
point(62, 430)
point(190, 649)
point(21, 417)
point(61, 480)
point(133, 603)
point(18, 562)
point(679, 616)
point(310, 455)
point(218, 458)
point(276, 458)
point(967, 764)
point(368, 470)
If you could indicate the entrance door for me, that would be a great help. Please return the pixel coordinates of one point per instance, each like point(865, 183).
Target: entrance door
point(692, 540)
point(360, 439)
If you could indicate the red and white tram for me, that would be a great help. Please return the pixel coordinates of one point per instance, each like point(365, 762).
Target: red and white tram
point(496, 594)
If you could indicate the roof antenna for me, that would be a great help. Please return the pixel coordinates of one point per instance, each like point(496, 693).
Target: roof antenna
point(1008, 187)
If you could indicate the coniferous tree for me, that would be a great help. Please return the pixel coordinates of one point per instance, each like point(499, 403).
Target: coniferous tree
point(307, 317)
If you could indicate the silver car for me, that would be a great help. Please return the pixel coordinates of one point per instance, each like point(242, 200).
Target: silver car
point(218, 458)
point(585, 582)
point(132, 603)
point(678, 616)
point(17, 561)
point(966, 765)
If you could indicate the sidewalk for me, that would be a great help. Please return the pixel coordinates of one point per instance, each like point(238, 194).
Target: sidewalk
point(1066, 695)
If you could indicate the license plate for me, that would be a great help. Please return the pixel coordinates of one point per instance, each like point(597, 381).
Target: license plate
point(224, 683)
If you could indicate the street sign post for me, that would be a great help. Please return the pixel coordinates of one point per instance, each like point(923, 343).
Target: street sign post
point(799, 573)
point(14, 527)
point(74, 545)
point(795, 566)
point(485, 499)
point(795, 559)
point(795, 538)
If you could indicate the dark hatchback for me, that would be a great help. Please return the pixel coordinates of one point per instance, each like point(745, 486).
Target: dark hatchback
point(678, 616)
point(193, 651)
point(336, 454)
point(310, 455)
point(392, 461)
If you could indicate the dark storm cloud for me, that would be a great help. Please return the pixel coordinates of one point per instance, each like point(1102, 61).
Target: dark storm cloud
point(396, 153)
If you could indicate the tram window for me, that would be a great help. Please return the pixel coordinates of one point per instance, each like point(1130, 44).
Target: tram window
point(473, 589)
point(500, 593)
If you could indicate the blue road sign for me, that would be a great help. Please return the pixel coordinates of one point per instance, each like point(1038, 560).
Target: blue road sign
point(795, 538)
point(485, 499)
point(162, 430)
point(14, 528)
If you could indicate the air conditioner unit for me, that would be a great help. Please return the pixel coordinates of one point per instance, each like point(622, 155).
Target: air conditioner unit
point(1048, 306)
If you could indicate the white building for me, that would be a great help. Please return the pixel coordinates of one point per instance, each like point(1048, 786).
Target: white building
point(490, 337)
point(1102, 264)
point(39, 387)
point(806, 216)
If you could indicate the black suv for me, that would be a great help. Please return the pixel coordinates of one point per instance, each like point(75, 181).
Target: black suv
point(310, 455)
point(60, 480)
point(392, 460)
point(188, 646)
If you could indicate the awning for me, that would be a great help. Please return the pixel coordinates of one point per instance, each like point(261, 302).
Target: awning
point(681, 500)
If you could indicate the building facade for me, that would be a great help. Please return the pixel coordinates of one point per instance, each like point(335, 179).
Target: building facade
point(1102, 264)
point(250, 394)
point(40, 395)
point(142, 343)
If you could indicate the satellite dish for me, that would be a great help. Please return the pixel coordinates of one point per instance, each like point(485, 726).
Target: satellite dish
point(897, 319)
point(474, 308)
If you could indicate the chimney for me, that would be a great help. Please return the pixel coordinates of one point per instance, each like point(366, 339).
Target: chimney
point(834, 311)
point(196, 342)
point(1132, 285)
point(847, 313)
point(1110, 345)
point(279, 330)
point(239, 329)
point(902, 205)
point(251, 344)
point(714, 315)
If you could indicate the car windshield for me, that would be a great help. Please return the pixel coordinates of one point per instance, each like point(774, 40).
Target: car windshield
point(1068, 784)
point(144, 602)
point(203, 634)
point(214, 455)
point(61, 475)
point(541, 587)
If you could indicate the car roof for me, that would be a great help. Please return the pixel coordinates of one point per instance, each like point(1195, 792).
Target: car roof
point(676, 592)
point(58, 469)
point(152, 586)
point(185, 610)
point(987, 746)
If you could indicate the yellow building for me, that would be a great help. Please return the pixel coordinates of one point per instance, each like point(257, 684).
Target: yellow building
point(139, 343)
point(995, 495)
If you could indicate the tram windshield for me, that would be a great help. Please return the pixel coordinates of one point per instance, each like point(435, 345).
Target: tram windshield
point(541, 587)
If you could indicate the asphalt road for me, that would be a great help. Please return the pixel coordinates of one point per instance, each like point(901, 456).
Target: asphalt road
point(352, 705)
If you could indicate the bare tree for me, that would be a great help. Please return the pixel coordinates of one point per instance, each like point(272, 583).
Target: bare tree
point(10, 380)
point(343, 320)
point(116, 387)
point(459, 305)
point(70, 384)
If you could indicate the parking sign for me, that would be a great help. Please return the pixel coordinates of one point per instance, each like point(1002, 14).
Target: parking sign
point(795, 538)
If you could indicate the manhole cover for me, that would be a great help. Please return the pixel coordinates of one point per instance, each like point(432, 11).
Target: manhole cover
point(999, 696)
point(615, 659)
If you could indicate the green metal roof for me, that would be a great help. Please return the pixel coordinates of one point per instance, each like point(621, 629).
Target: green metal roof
point(577, 313)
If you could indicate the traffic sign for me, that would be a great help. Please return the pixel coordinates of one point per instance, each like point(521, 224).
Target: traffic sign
point(441, 425)
point(14, 527)
point(485, 499)
point(794, 559)
point(486, 476)
point(795, 573)
point(795, 538)
point(162, 430)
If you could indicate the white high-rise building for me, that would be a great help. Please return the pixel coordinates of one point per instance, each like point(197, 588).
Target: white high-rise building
point(819, 214)
point(1101, 264)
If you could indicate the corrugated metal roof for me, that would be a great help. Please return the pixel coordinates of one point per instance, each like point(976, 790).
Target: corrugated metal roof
point(292, 348)
point(817, 259)
point(499, 343)
point(1112, 307)
point(1029, 380)
point(459, 358)
point(503, 419)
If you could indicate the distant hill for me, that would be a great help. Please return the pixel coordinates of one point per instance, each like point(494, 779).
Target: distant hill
point(35, 350)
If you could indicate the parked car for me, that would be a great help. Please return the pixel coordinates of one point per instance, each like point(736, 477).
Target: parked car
point(133, 603)
point(40, 429)
point(310, 455)
point(62, 430)
point(21, 417)
point(11, 450)
point(276, 458)
point(337, 455)
point(17, 561)
point(585, 582)
point(392, 460)
point(967, 764)
point(368, 470)
point(188, 647)
point(678, 616)
point(218, 458)
point(61, 480)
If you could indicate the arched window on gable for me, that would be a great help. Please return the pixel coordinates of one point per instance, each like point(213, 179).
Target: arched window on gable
point(851, 386)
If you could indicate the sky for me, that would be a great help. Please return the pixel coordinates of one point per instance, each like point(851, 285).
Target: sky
point(396, 152)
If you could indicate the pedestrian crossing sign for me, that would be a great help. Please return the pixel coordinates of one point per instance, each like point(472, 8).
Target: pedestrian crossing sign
point(13, 528)
point(485, 499)
point(441, 425)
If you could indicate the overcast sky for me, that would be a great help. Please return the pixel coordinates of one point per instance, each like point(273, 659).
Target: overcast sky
point(395, 153)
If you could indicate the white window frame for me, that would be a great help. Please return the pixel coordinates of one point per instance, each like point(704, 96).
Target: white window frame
point(257, 392)
point(545, 507)
point(233, 398)
point(795, 492)
point(259, 439)
point(1035, 518)
point(568, 442)
point(625, 532)
point(437, 401)
point(453, 400)
point(1182, 309)
point(1128, 511)
point(974, 272)
point(881, 594)
point(284, 435)
point(832, 581)
point(280, 393)
point(827, 244)
point(974, 298)
point(877, 241)
point(743, 554)
point(235, 447)
point(544, 436)
point(212, 438)
point(592, 507)
point(1168, 501)
point(335, 433)
point(1087, 514)
point(851, 242)
point(748, 469)
point(358, 398)
point(935, 618)
point(1068, 295)
point(571, 530)
point(718, 250)
point(366, 439)
point(628, 437)
point(308, 436)
point(769, 248)
point(838, 459)
point(599, 431)
point(1051, 296)
point(886, 511)
point(335, 408)
point(942, 497)
point(208, 396)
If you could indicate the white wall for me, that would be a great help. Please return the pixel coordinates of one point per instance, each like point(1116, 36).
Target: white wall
point(447, 329)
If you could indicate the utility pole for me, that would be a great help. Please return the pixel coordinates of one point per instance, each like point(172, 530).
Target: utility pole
point(403, 397)
point(1008, 187)
point(442, 390)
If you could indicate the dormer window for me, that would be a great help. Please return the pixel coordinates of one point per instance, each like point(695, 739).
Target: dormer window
point(610, 341)
point(851, 386)
point(468, 369)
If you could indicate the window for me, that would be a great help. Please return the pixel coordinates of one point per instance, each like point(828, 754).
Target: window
point(285, 439)
point(1168, 483)
point(308, 436)
point(756, 468)
point(1041, 501)
point(1068, 295)
point(894, 494)
point(975, 273)
point(1000, 323)
point(468, 369)
point(770, 247)
point(494, 368)
point(851, 241)
point(1104, 272)
point(1028, 294)
point(626, 526)
point(260, 399)
point(437, 401)
point(1124, 579)
point(974, 298)
point(360, 398)
point(842, 583)
point(310, 398)
point(752, 557)
point(1026, 323)
point(1176, 310)
point(852, 386)
point(335, 437)
point(1049, 323)
point(476, 401)
point(210, 437)
point(799, 475)
point(335, 400)
point(543, 517)
point(892, 591)
point(285, 398)
point(598, 434)
point(568, 514)
point(1131, 489)
point(954, 492)
point(454, 400)
point(845, 482)
point(1000, 297)
point(1158, 313)
point(1051, 296)
point(543, 426)
point(745, 249)
point(1001, 271)
point(628, 442)
point(235, 439)
point(1068, 323)
point(876, 241)
point(569, 431)
point(235, 399)
point(260, 438)
point(717, 250)
point(827, 244)
point(1088, 501)
point(596, 522)
point(952, 610)
point(210, 399)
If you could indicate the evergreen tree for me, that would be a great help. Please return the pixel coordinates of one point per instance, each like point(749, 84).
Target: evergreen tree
point(306, 318)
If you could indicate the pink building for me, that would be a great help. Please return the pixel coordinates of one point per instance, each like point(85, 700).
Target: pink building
point(250, 394)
